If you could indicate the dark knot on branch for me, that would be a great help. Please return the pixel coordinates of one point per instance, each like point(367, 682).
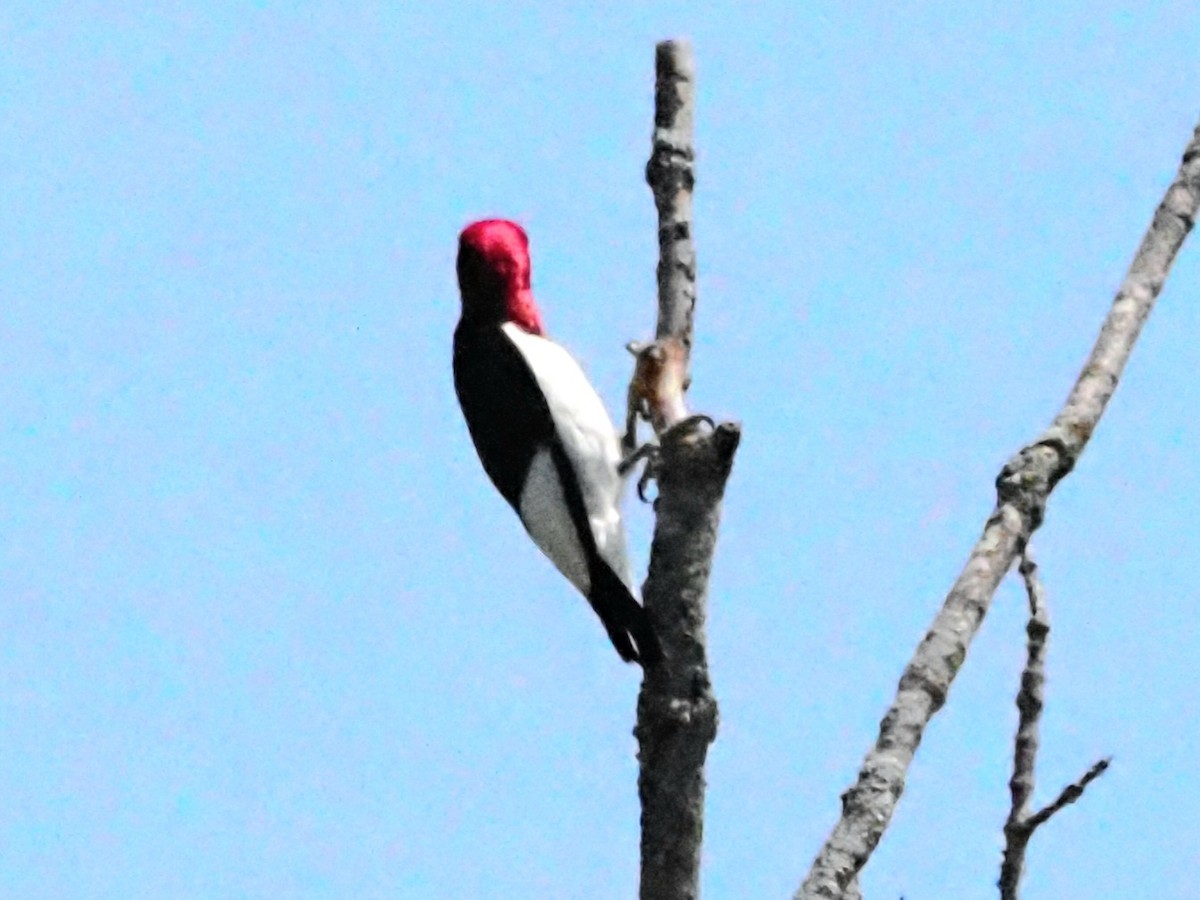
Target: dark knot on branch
point(1027, 479)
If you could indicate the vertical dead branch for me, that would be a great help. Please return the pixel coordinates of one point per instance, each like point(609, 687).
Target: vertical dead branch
point(677, 711)
point(1030, 701)
point(671, 175)
point(1022, 488)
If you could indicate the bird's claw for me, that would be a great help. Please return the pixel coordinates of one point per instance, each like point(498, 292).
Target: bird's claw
point(648, 452)
point(649, 473)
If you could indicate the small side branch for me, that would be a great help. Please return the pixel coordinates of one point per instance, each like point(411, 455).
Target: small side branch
point(1031, 700)
point(677, 710)
point(1070, 793)
point(1023, 487)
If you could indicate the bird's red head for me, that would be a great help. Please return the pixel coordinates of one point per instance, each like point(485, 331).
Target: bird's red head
point(494, 275)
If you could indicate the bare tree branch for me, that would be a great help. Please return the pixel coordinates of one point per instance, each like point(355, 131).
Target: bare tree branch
point(1030, 700)
point(1023, 487)
point(677, 711)
point(671, 177)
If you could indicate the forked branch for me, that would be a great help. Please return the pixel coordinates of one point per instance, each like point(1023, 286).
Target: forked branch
point(1022, 488)
point(1031, 699)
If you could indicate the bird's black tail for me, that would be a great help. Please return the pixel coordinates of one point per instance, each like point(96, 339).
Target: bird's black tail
point(624, 619)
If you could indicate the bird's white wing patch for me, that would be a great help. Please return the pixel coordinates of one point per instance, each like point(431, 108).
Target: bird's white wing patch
point(544, 512)
point(589, 439)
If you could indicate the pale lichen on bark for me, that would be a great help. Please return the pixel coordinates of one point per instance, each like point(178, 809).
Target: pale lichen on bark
point(1023, 488)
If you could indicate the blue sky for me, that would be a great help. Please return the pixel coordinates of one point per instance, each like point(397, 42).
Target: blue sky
point(267, 631)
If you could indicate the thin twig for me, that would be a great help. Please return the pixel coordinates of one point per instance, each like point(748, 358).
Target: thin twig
point(677, 711)
point(1070, 793)
point(1023, 487)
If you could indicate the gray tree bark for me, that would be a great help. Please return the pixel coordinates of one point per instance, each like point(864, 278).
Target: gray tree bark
point(677, 711)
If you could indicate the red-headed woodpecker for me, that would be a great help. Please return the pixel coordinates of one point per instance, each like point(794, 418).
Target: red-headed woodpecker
point(542, 433)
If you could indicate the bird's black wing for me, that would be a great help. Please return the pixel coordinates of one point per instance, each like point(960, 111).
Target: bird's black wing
point(504, 408)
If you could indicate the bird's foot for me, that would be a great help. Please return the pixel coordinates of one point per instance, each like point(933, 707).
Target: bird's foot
point(648, 452)
point(651, 453)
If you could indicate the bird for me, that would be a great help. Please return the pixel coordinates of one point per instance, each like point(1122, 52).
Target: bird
point(542, 432)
